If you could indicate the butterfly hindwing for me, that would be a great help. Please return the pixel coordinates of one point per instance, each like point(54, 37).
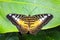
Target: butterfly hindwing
point(29, 24)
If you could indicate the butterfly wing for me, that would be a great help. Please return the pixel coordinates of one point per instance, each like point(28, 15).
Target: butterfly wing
point(16, 19)
point(31, 24)
point(43, 19)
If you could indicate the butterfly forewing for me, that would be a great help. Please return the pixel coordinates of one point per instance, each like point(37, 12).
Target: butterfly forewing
point(31, 24)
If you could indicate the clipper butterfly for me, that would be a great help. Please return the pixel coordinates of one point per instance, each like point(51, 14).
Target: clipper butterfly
point(29, 24)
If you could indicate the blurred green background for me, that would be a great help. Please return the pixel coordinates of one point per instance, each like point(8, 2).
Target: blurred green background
point(30, 7)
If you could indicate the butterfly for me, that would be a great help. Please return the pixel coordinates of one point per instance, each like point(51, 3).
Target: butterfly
point(29, 24)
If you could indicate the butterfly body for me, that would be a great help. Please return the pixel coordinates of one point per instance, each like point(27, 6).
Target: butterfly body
point(31, 24)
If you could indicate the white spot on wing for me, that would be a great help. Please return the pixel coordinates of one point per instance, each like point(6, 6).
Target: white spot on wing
point(10, 14)
point(18, 19)
point(40, 19)
point(48, 14)
point(45, 16)
point(13, 16)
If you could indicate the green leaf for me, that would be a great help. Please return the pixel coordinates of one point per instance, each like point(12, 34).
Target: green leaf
point(50, 34)
point(28, 7)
